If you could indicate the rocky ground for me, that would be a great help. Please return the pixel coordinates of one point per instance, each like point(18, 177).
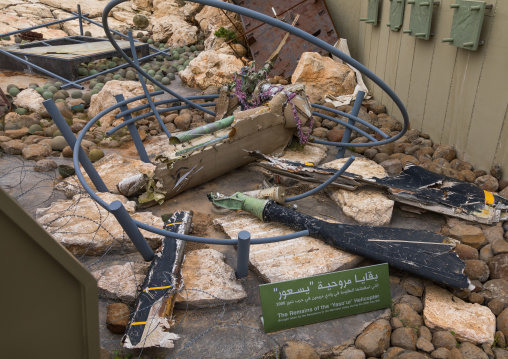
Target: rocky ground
point(425, 321)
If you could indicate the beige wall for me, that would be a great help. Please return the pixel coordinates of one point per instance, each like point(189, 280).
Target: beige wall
point(459, 97)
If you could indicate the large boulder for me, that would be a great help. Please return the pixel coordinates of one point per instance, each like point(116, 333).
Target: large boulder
point(185, 35)
point(164, 28)
point(211, 19)
point(322, 75)
point(470, 322)
point(85, 228)
point(31, 100)
point(365, 206)
point(120, 282)
point(209, 280)
point(210, 68)
point(106, 98)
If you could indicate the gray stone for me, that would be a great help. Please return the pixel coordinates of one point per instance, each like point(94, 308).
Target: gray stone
point(392, 166)
point(496, 171)
point(440, 353)
point(298, 350)
point(444, 339)
point(500, 339)
point(502, 322)
point(487, 183)
point(498, 266)
point(500, 246)
point(407, 315)
point(477, 269)
point(496, 306)
point(492, 233)
point(391, 353)
point(500, 353)
point(45, 166)
point(120, 282)
point(208, 280)
point(407, 354)
point(466, 252)
point(471, 322)
point(36, 152)
point(444, 151)
point(140, 21)
point(469, 235)
point(413, 302)
point(455, 354)
point(470, 351)
point(13, 147)
point(381, 157)
point(375, 339)
point(58, 143)
point(424, 345)
point(404, 338)
point(424, 332)
point(117, 318)
point(351, 353)
point(486, 253)
point(413, 286)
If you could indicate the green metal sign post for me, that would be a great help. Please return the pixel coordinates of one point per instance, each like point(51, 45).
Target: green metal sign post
point(315, 299)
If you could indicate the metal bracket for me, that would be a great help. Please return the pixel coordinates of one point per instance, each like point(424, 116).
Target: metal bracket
point(467, 24)
point(396, 14)
point(372, 17)
point(421, 18)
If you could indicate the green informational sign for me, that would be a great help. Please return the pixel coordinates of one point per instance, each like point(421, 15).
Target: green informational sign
point(315, 299)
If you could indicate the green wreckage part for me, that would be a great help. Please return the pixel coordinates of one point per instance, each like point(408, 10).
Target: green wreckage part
point(211, 142)
point(243, 202)
point(152, 193)
point(201, 131)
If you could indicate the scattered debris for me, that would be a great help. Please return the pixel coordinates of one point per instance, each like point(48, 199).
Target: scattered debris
point(420, 188)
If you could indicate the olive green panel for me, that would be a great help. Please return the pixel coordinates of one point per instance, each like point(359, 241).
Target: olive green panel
point(467, 24)
point(372, 14)
point(49, 302)
point(440, 78)
point(421, 18)
point(396, 14)
point(345, 14)
point(483, 139)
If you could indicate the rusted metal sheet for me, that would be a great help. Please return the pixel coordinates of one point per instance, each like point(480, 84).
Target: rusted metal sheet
point(263, 38)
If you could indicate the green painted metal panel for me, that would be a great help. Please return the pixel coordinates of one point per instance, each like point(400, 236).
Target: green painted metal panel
point(372, 14)
point(50, 306)
point(396, 14)
point(421, 18)
point(467, 24)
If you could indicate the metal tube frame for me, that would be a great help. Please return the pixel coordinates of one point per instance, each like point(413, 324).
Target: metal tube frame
point(273, 22)
point(341, 150)
point(242, 256)
point(133, 131)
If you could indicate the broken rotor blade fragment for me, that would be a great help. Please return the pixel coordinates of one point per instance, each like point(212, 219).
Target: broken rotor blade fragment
point(415, 186)
point(149, 325)
point(423, 253)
